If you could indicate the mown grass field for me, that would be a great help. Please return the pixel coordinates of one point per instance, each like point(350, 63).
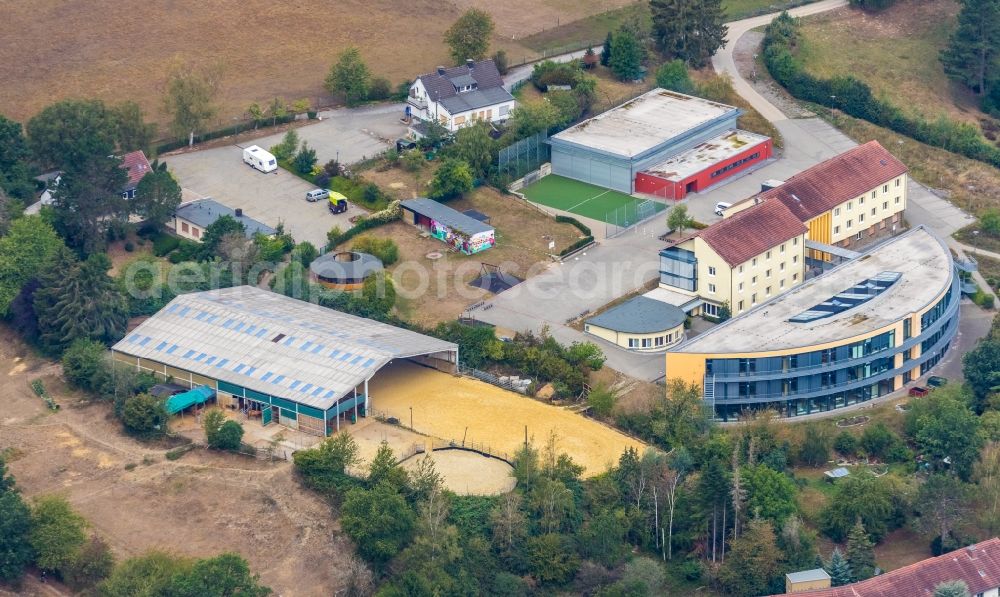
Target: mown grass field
point(587, 200)
point(895, 52)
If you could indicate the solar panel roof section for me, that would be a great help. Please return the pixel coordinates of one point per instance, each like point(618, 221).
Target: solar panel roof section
point(323, 348)
point(861, 292)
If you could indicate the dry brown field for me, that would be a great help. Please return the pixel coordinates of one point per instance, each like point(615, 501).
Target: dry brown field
point(114, 51)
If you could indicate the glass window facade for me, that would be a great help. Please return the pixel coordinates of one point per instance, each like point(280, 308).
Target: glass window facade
point(830, 378)
point(679, 268)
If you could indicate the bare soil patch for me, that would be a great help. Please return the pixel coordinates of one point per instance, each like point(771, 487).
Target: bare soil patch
point(201, 505)
point(435, 290)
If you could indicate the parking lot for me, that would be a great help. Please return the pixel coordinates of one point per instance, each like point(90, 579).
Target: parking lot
point(280, 196)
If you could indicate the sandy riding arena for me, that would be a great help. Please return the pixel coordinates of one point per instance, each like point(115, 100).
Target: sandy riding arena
point(469, 473)
point(451, 408)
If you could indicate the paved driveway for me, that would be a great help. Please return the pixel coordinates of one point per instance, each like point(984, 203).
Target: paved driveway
point(280, 196)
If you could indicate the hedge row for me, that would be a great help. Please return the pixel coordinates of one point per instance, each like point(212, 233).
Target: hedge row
point(223, 132)
point(362, 226)
point(580, 226)
point(855, 98)
point(583, 242)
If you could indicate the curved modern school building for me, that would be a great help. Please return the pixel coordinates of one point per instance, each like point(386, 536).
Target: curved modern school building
point(859, 331)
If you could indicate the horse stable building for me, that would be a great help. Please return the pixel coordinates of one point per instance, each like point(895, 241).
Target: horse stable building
point(278, 359)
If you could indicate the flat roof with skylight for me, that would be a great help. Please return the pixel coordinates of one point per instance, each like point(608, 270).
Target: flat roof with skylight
point(882, 286)
point(653, 119)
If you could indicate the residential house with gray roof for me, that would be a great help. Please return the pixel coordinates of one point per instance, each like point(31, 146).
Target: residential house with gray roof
point(458, 96)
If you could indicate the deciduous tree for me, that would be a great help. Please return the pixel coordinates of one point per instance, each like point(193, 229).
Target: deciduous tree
point(349, 77)
point(57, 533)
point(859, 495)
point(189, 98)
point(942, 501)
point(88, 200)
point(132, 131)
point(157, 195)
point(378, 520)
point(531, 117)
point(770, 494)
point(15, 179)
point(144, 416)
point(753, 563)
point(452, 179)
point(468, 38)
point(72, 132)
point(26, 251)
point(673, 75)
point(384, 468)
point(224, 575)
point(944, 427)
point(981, 369)
point(15, 528)
point(952, 588)
point(474, 145)
point(678, 219)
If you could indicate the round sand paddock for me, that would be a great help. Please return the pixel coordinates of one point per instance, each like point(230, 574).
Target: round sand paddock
point(464, 410)
point(469, 473)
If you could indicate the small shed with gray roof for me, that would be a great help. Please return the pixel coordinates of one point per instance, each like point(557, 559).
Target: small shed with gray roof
point(192, 218)
point(641, 324)
point(462, 232)
point(273, 357)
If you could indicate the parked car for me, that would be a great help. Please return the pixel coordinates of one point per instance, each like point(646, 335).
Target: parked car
point(722, 206)
point(317, 195)
point(338, 203)
point(918, 392)
point(936, 381)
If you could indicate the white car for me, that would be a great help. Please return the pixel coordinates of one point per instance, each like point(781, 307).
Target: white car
point(722, 206)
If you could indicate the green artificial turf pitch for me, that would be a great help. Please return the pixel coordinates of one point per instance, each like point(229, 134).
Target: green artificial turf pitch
point(589, 201)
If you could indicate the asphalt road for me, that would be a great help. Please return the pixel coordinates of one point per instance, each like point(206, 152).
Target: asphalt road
point(351, 134)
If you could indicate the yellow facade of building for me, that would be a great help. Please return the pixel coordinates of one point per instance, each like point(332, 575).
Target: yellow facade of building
point(772, 272)
point(650, 342)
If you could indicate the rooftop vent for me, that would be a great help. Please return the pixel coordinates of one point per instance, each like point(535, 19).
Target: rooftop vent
point(440, 70)
point(239, 212)
point(469, 62)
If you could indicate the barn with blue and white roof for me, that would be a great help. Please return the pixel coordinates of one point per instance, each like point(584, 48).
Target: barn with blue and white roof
point(279, 358)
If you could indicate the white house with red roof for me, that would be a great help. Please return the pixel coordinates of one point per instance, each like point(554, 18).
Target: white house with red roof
point(134, 162)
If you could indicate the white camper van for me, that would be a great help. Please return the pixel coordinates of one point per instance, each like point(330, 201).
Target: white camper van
point(259, 159)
